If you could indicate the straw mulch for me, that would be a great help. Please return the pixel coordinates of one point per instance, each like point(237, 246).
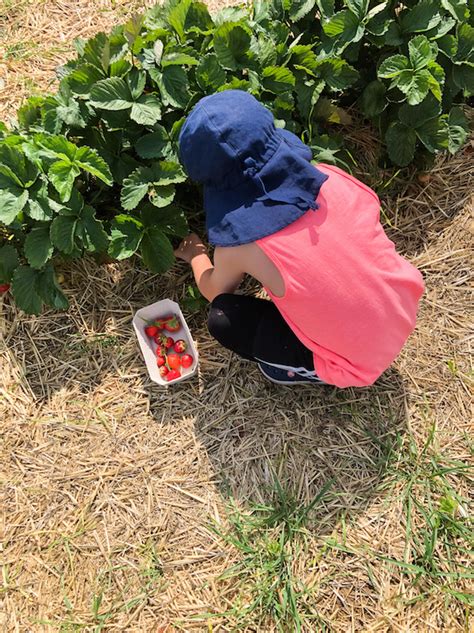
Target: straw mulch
point(109, 484)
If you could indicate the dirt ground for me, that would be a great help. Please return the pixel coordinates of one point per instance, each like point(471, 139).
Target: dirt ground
point(110, 485)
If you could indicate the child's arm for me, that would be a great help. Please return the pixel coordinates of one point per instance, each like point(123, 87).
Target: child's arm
point(224, 275)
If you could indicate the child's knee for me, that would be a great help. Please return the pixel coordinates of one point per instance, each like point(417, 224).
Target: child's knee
point(218, 322)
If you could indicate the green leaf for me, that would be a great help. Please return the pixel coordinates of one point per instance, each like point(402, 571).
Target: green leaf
point(419, 87)
point(231, 43)
point(308, 93)
point(458, 129)
point(39, 205)
point(178, 59)
point(401, 141)
point(157, 251)
point(62, 174)
point(152, 145)
point(465, 50)
point(134, 188)
point(327, 111)
point(373, 101)
point(137, 185)
point(94, 237)
point(422, 51)
point(8, 262)
point(186, 15)
point(422, 16)
point(83, 78)
point(111, 94)
point(359, 7)
point(24, 290)
point(38, 246)
point(16, 166)
point(147, 110)
point(89, 160)
point(171, 219)
point(48, 289)
point(463, 75)
point(393, 66)
point(12, 202)
point(97, 52)
point(162, 195)
point(62, 232)
point(173, 85)
point(277, 79)
point(126, 234)
point(300, 8)
point(457, 8)
point(209, 74)
point(55, 146)
point(417, 115)
point(136, 80)
point(345, 25)
point(338, 74)
point(434, 133)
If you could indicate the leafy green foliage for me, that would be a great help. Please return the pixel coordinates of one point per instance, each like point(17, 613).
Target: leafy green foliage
point(94, 168)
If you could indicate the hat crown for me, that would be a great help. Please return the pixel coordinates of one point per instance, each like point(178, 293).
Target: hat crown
point(227, 137)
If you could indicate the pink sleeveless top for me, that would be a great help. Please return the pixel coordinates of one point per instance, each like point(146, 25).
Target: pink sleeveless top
point(349, 296)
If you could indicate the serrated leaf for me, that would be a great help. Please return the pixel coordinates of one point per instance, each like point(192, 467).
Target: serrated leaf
point(300, 8)
point(95, 238)
point(97, 52)
point(338, 74)
point(359, 7)
point(458, 129)
point(171, 219)
point(178, 59)
point(89, 160)
point(157, 251)
point(308, 93)
point(421, 83)
point(147, 110)
point(393, 66)
point(173, 85)
point(231, 43)
point(15, 165)
point(209, 74)
point(126, 234)
point(457, 8)
point(187, 14)
point(162, 195)
point(141, 180)
point(82, 78)
point(62, 232)
point(463, 76)
point(422, 16)
point(111, 94)
point(24, 290)
point(8, 262)
point(373, 101)
point(434, 133)
point(417, 115)
point(277, 79)
point(38, 246)
point(136, 80)
point(12, 202)
point(62, 175)
point(152, 145)
point(344, 25)
point(55, 146)
point(401, 142)
point(48, 289)
point(465, 51)
point(421, 51)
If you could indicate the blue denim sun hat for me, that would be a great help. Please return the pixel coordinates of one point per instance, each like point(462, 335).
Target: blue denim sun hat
point(257, 178)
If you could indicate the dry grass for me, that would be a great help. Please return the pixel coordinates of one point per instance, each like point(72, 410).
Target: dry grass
point(109, 483)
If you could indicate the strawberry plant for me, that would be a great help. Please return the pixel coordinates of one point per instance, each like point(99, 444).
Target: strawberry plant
point(94, 168)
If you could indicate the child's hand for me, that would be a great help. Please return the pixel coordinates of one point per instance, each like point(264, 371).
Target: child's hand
point(190, 247)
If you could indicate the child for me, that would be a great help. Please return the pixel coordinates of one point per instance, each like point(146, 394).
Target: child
point(343, 302)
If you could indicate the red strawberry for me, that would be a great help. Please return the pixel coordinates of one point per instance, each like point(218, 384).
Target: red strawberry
point(168, 342)
point(160, 361)
point(161, 350)
point(174, 361)
point(180, 346)
point(151, 331)
point(4, 288)
point(173, 374)
point(164, 371)
point(173, 325)
point(187, 360)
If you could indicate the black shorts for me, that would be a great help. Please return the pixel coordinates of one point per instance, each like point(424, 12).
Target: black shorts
point(255, 330)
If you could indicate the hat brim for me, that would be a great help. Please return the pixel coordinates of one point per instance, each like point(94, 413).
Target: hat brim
point(279, 194)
